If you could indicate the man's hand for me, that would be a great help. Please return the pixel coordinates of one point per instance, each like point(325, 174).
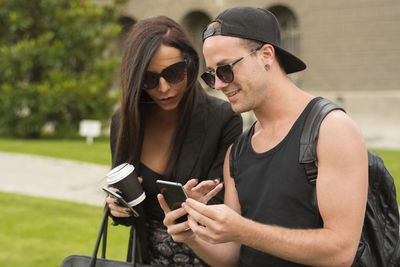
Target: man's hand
point(204, 191)
point(213, 223)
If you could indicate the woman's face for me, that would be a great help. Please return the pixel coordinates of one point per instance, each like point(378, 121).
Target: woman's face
point(167, 94)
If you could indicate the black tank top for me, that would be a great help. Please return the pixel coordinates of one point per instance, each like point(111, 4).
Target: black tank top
point(151, 206)
point(273, 189)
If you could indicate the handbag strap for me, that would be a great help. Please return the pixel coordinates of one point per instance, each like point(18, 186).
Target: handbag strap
point(104, 243)
point(103, 236)
point(102, 231)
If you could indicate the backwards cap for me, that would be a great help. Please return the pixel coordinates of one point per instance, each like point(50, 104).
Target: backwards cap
point(255, 24)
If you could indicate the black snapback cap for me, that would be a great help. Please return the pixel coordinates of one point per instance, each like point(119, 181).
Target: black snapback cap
point(255, 24)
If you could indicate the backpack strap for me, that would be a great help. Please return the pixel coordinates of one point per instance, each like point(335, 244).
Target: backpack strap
point(309, 136)
point(308, 140)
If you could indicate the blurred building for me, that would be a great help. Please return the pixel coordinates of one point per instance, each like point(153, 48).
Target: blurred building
point(350, 47)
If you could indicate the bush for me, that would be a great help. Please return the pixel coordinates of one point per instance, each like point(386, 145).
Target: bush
point(55, 64)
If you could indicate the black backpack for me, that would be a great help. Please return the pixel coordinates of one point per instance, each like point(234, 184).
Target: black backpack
point(380, 240)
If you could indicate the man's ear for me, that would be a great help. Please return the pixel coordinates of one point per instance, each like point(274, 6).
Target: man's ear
point(267, 53)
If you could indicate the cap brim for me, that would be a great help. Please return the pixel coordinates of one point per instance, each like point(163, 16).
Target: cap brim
point(288, 61)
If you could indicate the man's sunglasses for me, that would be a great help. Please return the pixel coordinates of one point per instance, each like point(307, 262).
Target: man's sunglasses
point(174, 73)
point(224, 72)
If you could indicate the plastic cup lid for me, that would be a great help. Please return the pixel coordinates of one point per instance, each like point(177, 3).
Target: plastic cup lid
point(120, 172)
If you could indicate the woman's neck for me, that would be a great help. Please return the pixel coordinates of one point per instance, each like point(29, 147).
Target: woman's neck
point(163, 116)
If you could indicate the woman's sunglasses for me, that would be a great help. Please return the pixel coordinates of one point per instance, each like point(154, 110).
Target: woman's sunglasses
point(174, 73)
point(224, 72)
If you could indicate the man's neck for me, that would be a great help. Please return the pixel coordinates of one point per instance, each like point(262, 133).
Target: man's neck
point(282, 104)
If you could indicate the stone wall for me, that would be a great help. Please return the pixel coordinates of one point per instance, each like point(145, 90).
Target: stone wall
point(350, 47)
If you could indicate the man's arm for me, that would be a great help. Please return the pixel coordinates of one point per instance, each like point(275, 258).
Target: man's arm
point(342, 187)
point(225, 254)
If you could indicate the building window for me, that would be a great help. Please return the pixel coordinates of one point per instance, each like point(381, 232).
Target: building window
point(194, 24)
point(126, 24)
point(289, 33)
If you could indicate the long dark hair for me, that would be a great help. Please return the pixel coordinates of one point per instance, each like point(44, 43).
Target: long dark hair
point(142, 42)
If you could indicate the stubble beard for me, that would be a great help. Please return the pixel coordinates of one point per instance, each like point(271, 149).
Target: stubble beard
point(241, 107)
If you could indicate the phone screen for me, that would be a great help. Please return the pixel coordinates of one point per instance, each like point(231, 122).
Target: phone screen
point(174, 193)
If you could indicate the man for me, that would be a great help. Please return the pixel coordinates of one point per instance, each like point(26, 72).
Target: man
point(268, 218)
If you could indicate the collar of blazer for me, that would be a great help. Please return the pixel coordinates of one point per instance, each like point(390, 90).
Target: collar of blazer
point(193, 143)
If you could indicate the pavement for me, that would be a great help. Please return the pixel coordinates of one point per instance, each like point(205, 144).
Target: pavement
point(53, 178)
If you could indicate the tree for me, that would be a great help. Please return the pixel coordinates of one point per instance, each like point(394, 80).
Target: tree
point(56, 64)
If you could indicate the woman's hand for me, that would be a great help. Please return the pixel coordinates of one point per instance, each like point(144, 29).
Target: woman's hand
point(116, 209)
point(204, 191)
point(180, 232)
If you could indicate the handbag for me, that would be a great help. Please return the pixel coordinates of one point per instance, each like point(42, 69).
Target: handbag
point(93, 261)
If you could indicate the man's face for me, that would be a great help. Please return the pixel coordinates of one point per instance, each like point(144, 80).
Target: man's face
point(241, 92)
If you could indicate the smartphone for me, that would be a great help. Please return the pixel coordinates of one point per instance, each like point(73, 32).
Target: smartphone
point(120, 200)
point(174, 195)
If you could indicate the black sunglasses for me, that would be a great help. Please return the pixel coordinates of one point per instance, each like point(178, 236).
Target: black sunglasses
point(224, 72)
point(174, 73)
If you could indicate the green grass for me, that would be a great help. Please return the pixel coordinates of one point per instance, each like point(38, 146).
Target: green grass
point(391, 158)
point(78, 150)
point(38, 231)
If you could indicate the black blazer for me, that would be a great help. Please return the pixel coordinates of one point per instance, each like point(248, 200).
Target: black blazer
point(213, 127)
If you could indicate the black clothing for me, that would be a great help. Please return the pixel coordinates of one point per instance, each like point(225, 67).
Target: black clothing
point(212, 128)
point(164, 251)
point(273, 189)
point(152, 208)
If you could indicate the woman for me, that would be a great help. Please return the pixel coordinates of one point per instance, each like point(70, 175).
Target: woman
point(167, 127)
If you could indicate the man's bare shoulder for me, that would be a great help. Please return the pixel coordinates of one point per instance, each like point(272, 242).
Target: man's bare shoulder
point(338, 130)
